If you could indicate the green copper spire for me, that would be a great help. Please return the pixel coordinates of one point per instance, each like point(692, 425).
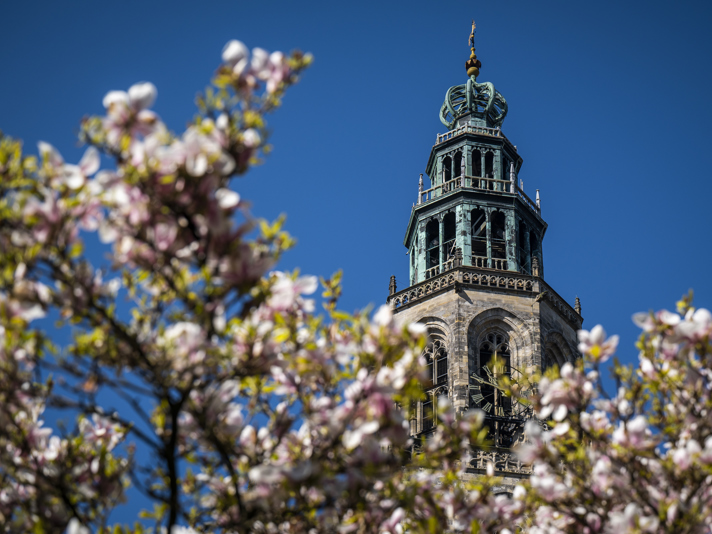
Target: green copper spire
point(478, 104)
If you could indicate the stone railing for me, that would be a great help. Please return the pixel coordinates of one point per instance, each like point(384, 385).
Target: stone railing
point(466, 276)
point(478, 183)
point(468, 128)
point(480, 261)
point(493, 132)
point(502, 461)
point(449, 264)
point(528, 201)
point(470, 182)
point(486, 263)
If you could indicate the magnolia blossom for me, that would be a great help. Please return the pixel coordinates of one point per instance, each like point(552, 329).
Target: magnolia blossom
point(696, 326)
point(259, 415)
point(128, 113)
point(595, 345)
point(287, 292)
point(273, 69)
point(184, 344)
point(649, 321)
point(558, 397)
point(72, 176)
point(101, 430)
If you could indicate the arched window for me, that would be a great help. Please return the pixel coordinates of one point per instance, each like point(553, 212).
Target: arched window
point(489, 167)
point(553, 356)
point(457, 171)
point(476, 163)
point(494, 363)
point(499, 243)
point(413, 254)
point(534, 248)
point(525, 265)
point(436, 383)
point(432, 243)
point(479, 238)
point(448, 236)
point(447, 169)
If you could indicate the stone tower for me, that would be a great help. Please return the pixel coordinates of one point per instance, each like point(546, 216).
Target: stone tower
point(474, 241)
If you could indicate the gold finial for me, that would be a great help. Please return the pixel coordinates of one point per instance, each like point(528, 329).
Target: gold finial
point(473, 64)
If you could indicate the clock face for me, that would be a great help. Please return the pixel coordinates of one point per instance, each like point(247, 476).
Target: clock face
point(487, 394)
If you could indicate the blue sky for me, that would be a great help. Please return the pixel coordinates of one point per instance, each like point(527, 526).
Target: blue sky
point(608, 104)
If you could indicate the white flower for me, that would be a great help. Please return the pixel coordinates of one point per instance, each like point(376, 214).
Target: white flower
point(384, 316)
point(595, 345)
point(251, 138)
point(142, 95)
point(226, 198)
point(75, 527)
point(234, 52)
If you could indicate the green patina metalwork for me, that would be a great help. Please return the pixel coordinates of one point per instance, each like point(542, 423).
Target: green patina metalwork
point(481, 101)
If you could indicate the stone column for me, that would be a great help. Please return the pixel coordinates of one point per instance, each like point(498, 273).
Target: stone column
point(458, 366)
point(460, 225)
point(488, 214)
point(411, 261)
point(510, 225)
point(420, 258)
point(466, 233)
point(440, 240)
point(467, 154)
point(438, 176)
point(541, 256)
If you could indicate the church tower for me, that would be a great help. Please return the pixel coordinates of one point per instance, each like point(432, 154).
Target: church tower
point(475, 246)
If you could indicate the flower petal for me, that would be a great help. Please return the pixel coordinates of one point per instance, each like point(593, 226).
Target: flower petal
point(115, 97)
point(226, 198)
point(51, 153)
point(89, 163)
point(234, 52)
point(142, 95)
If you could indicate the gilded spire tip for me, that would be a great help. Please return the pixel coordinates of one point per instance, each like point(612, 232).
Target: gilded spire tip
point(473, 64)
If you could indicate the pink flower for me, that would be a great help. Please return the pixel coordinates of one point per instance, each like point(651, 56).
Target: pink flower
point(595, 345)
point(634, 434)
point(286, 293)
point(183, 343)
point(595, 422)
point(72, 176)
point(101, 430)
point(696, 326)
point(394, 523)
point(649, 322)
point(236, 55)
point(128, 113)
point(563, 394)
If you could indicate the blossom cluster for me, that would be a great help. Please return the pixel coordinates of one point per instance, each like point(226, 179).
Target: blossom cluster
point(256, 413)
point(637, 461)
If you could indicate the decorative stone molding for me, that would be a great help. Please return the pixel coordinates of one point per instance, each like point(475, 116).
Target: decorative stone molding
point(503, 462)
point(466, 276)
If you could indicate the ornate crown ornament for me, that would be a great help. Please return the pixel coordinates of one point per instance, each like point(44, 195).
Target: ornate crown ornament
point(478, 99)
